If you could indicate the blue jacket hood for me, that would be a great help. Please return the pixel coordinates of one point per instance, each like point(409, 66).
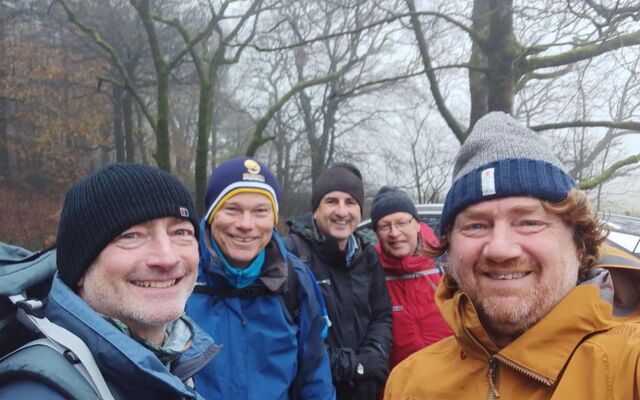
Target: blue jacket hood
point(119, 356)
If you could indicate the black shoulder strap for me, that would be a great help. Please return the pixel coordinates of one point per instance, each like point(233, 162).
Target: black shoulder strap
point(298, 246)
point(289, 293)
point(44, 364)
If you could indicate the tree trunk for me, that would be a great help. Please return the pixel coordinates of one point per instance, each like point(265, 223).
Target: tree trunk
point(127, 115)
point(118, 134)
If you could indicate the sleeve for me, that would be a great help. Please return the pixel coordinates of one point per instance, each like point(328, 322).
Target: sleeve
point(343, 362)
point(378, 336)
point(313, 380)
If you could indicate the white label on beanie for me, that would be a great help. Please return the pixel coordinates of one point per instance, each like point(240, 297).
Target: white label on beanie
point(487, 181)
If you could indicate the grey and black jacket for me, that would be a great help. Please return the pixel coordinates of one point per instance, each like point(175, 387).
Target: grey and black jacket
point(356, 296)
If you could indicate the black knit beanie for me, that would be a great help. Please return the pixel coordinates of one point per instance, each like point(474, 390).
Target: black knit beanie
point(391, 200)
point(103, 205)
point(342, 177)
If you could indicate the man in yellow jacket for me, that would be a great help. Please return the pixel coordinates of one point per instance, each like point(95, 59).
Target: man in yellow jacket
point(533, 316)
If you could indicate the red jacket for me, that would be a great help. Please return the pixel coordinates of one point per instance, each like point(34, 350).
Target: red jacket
point(416, 319)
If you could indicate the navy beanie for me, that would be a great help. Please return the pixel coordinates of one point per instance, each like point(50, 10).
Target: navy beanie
point(103, 205)
point(342, 177)
point(391, 200)
point(502, 158)
point(240, 175)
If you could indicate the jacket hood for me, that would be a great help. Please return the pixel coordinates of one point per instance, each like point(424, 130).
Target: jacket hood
point(595, 305)
point(323, 246)
point(305, 227)
point(410, 263)
point(120, 357)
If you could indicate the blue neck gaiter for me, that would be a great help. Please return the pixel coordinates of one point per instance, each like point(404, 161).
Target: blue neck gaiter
point(240, 278)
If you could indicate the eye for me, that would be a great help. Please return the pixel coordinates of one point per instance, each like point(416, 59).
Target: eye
point(531, 225)
point(184, 232)
point(230, 209)
point(474, 226)
point(263, 211)
point(129, 236)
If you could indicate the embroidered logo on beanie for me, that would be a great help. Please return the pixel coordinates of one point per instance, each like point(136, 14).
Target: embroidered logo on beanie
point(501, 158)
point(240, 175)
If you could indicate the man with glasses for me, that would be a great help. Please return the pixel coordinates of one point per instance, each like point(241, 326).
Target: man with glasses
point(351, 280)
point(411, 276)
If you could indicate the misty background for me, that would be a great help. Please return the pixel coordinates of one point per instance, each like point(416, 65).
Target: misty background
point(393, 86)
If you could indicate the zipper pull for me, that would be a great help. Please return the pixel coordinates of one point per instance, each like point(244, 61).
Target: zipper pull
point(492, 374)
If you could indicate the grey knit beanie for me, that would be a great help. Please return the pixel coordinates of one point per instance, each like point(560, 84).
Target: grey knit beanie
point(501, 158)
point(391, 200)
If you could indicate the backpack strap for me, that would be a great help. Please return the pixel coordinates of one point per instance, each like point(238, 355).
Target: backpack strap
point(64, 342)
point(298, 246)
point(289, 293)
point(41, 361)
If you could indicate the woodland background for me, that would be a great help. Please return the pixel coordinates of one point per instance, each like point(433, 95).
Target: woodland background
point(393, 86)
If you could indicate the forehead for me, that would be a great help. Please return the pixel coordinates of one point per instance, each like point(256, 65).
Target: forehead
point(338, 195)
point(396, 216)
point(248, 199)
point(163, 221)
point(508, 206)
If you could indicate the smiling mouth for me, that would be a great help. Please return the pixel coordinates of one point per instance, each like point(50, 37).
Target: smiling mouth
point(155, 284)
point(506, 277)
point(242, 239)
point(341, 223)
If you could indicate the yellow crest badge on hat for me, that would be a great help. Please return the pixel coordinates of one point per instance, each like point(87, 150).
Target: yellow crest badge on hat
point(253, 171)
point(252, 167)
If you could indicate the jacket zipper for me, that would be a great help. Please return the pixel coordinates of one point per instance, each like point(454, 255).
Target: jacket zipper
point(493, 360)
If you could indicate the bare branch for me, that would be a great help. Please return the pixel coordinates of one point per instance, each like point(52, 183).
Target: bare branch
point(625, 125)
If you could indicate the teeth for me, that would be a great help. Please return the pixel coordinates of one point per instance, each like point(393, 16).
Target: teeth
point(504, 277)
point(242, 239)
point(155, 284)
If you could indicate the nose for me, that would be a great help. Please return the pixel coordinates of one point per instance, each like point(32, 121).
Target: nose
point(244, 221)
point(393, 230)
point(162, 252)
point(341, 208)
point(502, 245)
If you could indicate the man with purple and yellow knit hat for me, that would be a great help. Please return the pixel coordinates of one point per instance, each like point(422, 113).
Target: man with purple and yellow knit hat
point(533, 316)
point(253, 297)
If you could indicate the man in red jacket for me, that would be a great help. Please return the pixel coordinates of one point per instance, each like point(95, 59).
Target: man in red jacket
point(411, 277)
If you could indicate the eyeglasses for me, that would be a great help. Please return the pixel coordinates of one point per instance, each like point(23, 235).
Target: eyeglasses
point(400, 225)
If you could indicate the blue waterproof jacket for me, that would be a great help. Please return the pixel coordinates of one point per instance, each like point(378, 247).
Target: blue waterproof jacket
point(265, 353)
point(130, 370)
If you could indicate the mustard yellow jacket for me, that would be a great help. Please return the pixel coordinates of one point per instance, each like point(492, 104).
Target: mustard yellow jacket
point(585, 348)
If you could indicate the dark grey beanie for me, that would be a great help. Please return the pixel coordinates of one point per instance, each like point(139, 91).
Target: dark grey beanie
point(391, 200)
point(103, 205)
point(501, 158)
point(342, 177)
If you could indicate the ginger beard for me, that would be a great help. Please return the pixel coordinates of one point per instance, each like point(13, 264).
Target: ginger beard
point(510, 311)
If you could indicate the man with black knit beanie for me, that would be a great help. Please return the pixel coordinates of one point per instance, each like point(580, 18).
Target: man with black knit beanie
point(352, 282)
point(127, 257)
point(535, 314)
